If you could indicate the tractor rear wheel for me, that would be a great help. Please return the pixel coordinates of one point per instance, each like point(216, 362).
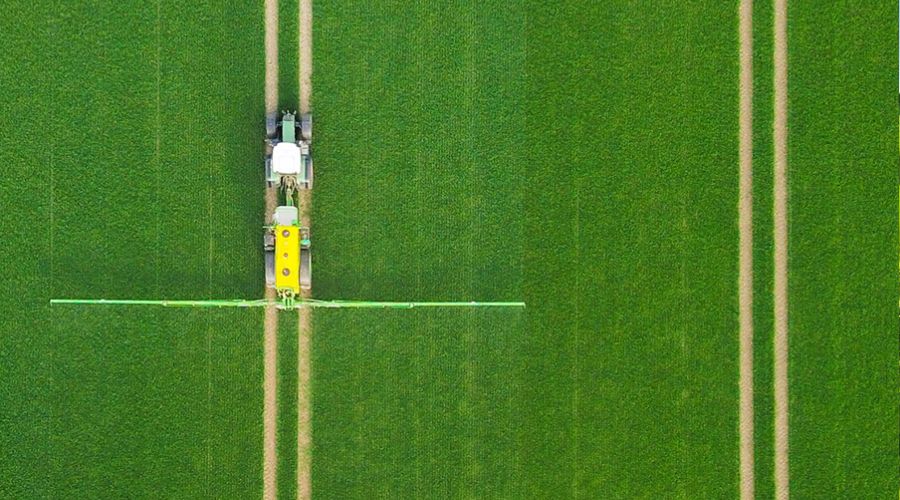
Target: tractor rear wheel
point(271, 125)
point(306, 126)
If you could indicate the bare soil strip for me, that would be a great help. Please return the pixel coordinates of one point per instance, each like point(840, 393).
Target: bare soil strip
point(304, 413)
point(745, 237)
point(305, 54)
point(270, 361)
point(304, 417)
point(781, 252)
point(271, 55)
point(304, 420)
point(270, 401)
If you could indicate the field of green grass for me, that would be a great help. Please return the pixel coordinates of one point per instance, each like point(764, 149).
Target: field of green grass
point(288, 64)
point(420, 151)
point(615, 175)
point(628, 353)
point(632, 380)
point(763, 241)
point(418, 403)
point(580, 156)
point(287, 405)
point(130, 159)
point(420, 164)
point(843, 177)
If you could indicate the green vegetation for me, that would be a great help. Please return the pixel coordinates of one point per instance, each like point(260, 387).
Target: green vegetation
point(419, 160)
point(632, 374)
point(580, 156)
point(130, 402)
point(142, 402)
point(287, 404)
point(288, 63)
point(24, 316)
point(763, 258)
point(420, 163)
point(419, 151)
point(843, 288)
point(421, 403)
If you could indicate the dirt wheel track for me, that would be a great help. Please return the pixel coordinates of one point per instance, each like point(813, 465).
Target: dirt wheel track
point(270, 328)
point(304, 335)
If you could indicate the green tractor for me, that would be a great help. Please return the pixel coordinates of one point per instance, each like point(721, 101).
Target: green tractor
point(288, 160)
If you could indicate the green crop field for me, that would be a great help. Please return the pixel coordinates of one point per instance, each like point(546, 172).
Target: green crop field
point(421, 154)
point(763, 266)
point(580, 156)
point(417, 403)
point(129, 157)
point(425, 188)
point(598, 378)
point(639, 113)
point(420, 168)
point(287, 404)
point(629, 244)
point(844, 169)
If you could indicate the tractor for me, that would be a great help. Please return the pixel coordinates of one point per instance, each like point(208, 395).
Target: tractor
point(288, 160)
point(288, 167)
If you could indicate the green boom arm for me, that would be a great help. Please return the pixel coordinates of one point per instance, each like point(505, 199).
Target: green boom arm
point(301, 303)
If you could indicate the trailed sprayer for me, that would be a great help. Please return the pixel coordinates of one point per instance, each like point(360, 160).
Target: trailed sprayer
point(287, 250)
point(288, 167)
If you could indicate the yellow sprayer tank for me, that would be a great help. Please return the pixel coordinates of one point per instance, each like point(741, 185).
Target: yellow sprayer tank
point(287, 258)
point(287, 251)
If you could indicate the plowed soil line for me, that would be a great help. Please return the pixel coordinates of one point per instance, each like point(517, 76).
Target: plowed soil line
point(745, 223)
point(270, 333)
point(304, 417)
point(780, 213)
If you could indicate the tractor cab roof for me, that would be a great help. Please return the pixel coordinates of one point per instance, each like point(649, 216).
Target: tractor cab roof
point(286, 158)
